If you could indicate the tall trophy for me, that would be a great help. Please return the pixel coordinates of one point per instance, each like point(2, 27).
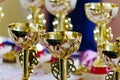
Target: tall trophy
point(101, 14)
point(61, 43)
point(26, 35)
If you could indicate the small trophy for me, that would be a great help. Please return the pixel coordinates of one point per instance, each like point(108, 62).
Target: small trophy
point(61, 44)
point(101, 14)
point(112, 52)
point(26, 35)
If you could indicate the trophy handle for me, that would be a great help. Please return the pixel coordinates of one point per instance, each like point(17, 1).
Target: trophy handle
point(62, 68)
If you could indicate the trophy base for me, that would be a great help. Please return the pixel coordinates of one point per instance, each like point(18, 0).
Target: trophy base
point(25, 78)
point(99, 70)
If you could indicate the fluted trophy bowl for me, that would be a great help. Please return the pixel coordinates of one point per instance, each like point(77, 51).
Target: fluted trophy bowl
point(60, 6)
point(62, 44)
point(101, 12)
point(24, 35)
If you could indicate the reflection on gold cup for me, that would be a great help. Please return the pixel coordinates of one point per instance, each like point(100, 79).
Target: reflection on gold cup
point(62, 44)
point(26, 35)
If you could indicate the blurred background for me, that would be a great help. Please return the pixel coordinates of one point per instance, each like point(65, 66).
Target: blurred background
point(14, 12)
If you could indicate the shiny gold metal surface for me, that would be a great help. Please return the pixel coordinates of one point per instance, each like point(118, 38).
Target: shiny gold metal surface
point(26, 35)
point(61, 44)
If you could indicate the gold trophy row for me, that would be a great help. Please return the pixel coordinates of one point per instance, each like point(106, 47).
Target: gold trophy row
point(62, 42)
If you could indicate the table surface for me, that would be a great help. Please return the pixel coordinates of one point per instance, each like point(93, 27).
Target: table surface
point(13, 71)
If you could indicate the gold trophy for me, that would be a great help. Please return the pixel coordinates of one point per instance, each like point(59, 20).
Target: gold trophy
point(61, 43)
point(112, 52)
point(101, 14)
point(26, 35)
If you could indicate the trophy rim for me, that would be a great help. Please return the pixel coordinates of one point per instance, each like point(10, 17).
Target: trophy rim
point(58, 41)
point(16, 26)
point(102, 3)
point(48, 35)
point(29, 31)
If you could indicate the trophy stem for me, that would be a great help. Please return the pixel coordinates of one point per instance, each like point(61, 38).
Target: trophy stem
point(25, 65)
point(63, 69)
point(99, 33)
point(118, 76)
point(61, 19)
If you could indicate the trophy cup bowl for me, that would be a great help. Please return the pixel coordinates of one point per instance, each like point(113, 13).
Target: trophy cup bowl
point(26, 35)
point(60, 6)
point(61, 44)
point(110, 50)
point(101, 12)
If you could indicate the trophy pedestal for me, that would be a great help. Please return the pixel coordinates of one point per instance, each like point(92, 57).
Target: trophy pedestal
point(99, 70)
